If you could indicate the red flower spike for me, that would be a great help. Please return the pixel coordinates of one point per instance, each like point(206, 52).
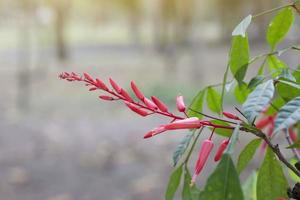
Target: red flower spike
point(136, 91)
point(136, 109)
point(188, 123)
point(155, 131)
point(116, 87)
point(293, 135)
point(204, 152)
point(107, 98)
point(149, 104)
point(262, 123)
point(101, 85)
point(230, 115)
point(88, 77)
point(221, 149)
point(126, 95)
point(180, 104)
point(161, 106)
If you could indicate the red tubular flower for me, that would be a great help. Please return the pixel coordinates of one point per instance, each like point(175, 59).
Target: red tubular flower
point(262, 123)
point(161, 106)
point(221, 149)
point(155, 131)
point(107, 98)
point(149, 103)
point(188, 123)
point(180, 104)
point(88, 77)
point(126, 95)
point(136, 109)
point(231, 115)
point(204, 152)
point(116, 87)
point(101, 85)
point(136, 91)
point(293, 135)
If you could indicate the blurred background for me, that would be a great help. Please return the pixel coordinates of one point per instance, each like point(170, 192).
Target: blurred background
point(57, 140)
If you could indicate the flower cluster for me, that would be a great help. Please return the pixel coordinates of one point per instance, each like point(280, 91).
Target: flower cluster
point(144, 106)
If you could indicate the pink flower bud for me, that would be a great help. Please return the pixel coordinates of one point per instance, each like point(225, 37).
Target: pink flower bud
point(155, 131)
point(221, 149)
point(93, 88)
point(126, 95)
point(136, 91)
point(100, 84)
point(204, 152)
point(188, 123)
point(161, 106)
point(136, 109)
point(180, 104)
point(149, 104)
point(107, 98)
point(231, 115)
point(88, 77)
point(116, 87)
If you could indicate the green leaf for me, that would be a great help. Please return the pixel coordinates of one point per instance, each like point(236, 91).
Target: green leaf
point(213, 100)
point(241, 92)
point(173, 184)
point(256, 81)
point(279, 26)
point(224, 86)
point(234, 138)
point(241, 28)
point(287, 75)
point(239, 57)
point(223, 183)
point(288, 115)
point(258, 100)
point(275, 65)
point(249, 187)
point(182, 146)
point(188, 192)
point(197, 104)
point(222, 131)
point(289, 90)
point(295, 145)
point(271, 182)
point(278, 103)
point(290, 83)
point(292, 174)
point(247, 154)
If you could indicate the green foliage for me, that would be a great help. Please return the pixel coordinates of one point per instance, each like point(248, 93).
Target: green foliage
point(234, 138)
point(223, 183)
point(255, 81)
point(241, 28)
point(258, 100)
point(279, 26)
point(247, 154)
point(213, 100)
point(271, 183)
point(174, 182)
point(241, 92)
point(287, 89)
point(239, 57)
point(275, 65)
point(182, 146)
point(197, 104)
point(288, 115)
point(222, 131)
point(249, 187)
point(189, 192)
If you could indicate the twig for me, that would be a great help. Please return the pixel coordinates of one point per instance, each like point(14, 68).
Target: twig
point(288, 138)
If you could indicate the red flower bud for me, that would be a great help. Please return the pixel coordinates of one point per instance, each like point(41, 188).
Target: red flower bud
point(155, 131)
point(93, 88)
point(88, 77)
point(149, 103)
point(221, 149)
point(136, 91)
point(262, 123)
point(107, 98)
point(293, 135)
point(188, 123)
point(101, 85)
point(180, 104)
point(204, 152)
point(126, 95)
point(136, 109)
point(161, 106)
point(116, 87)
point(231, 115)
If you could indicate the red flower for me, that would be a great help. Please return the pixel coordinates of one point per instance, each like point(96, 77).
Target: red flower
point(221, 149)
point(231, 115)
point(180, 104)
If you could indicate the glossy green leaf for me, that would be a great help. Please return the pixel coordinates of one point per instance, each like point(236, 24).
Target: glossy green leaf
point(241, 28)
point(247, 154)
point(241, 92)
point(249, 187)
point(289, 90)
point(275, 65)
point(221, 131)
point(255, 81)
point(292, 174)
point(174, 182)
point(258, 99)
point(279, 26)
point(233, 140)
point(295, 85)
point(223, 183)
point(285, 73)
point(197, 105)
point(277, 104)
point(288, 115)
point(271, 182)
point(213, 100)
point(239, 57)
point(182, 146)
point(188, 192)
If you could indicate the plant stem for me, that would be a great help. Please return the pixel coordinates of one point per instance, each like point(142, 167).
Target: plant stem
point(193, 145)
point(288, 138)
point(272, 10)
